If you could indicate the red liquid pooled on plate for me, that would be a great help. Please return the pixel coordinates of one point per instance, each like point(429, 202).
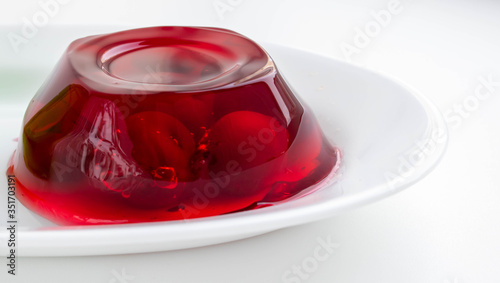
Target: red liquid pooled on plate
point(165, 123)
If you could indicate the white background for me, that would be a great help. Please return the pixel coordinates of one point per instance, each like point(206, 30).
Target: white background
point(444, 229)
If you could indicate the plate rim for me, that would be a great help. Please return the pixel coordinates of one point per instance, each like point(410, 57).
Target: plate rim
point(49, 246)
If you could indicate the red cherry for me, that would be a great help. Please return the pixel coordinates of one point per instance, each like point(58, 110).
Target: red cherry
point(249, 138)
point(162, 145)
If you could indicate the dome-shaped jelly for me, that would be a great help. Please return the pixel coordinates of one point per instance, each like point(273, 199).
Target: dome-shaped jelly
point(165, 123)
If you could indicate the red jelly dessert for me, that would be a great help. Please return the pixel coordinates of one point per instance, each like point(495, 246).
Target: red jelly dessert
point(165, 123)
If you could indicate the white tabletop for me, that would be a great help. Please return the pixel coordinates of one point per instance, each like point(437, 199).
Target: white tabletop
point(443, 229)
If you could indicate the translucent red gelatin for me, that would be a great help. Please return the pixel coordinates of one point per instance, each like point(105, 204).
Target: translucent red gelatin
point(165, 123)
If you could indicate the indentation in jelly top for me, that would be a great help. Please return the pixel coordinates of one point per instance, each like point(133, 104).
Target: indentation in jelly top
point(175, 60)
point(170, 65)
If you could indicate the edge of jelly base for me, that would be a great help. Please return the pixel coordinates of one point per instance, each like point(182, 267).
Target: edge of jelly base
point(30, 204)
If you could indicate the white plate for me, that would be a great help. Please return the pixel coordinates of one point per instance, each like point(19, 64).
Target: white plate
point(390, 136)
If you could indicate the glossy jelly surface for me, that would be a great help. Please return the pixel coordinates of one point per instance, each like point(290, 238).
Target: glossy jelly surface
point(165, 123)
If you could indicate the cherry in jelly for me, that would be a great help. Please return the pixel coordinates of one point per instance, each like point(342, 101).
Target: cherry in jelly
point(165, 123)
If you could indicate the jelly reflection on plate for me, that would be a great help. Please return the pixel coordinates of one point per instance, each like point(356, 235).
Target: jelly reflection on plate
point(165, 123)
